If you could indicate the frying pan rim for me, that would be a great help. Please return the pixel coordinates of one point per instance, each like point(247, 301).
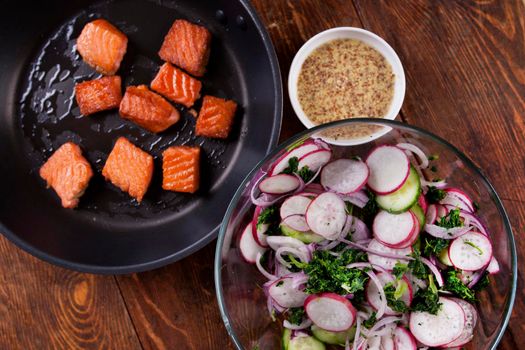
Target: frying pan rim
point(150, 265)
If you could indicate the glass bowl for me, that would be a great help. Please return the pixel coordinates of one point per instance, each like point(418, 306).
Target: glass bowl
point(239, 285)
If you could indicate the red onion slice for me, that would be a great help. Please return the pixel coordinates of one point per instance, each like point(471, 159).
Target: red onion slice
point(305, 324)
point(418, 152)
point(434, 269)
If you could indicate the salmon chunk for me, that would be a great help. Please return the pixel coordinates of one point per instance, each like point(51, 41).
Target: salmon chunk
point(129, 168)
point(147, 109)
point(215, 117)
point(180, 169)
point(176, 85)
point(102, 46)
point(68, 173)
point(98, 95)
point(187, 45)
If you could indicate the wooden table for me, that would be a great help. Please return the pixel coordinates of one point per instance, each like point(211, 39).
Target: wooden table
point(465, 67)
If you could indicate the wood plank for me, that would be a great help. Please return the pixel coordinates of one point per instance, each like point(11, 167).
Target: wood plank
point(465, 68)
point(176, 306)
point(47, 307)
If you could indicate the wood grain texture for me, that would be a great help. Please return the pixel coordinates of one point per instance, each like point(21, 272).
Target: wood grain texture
point(175, 307)
point(465, 68)
point(47, 307)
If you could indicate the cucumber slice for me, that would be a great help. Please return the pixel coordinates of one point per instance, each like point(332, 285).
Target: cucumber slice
point(306, 237)
point(287, 335)
point(443, 257)
point(404, 198)
point(305, 343)
point(334, 338)
point(420, 215)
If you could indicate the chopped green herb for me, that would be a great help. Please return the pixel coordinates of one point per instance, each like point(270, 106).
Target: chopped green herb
point(293, 168)
point(455, 285)
point(328, 273)
point(371, 321)
point(280, 283)
point(434, 195)
point(295, 315)
point(475, 205)
point(293, 164)
point(369, 211)
point(305, 173)
point(299, 264)
point(295, 265)
point(473, 245)
point(392, 296)
point(418, 268)
point(433, 168)
point(452, 219)
point(433, 245)
point(272, 218)
point(433, 157)
point(427, 300)
point(399, 270)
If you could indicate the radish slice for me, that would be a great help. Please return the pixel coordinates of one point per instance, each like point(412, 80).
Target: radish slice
point(394, 230)
point(471, 318)
point(422, 202)
point(493, 267)
point(283, 162)
point(279, 184)
point(404, 340)
point(389, 168)
point(315, 159)
point(259, 231)
point(326, 215)
point(294, 205)
point(458, 198)
point(344, 175)
point(297, 222)
point(386, 263)
point(248, 246)
point(276, 242)
point(470, 252)
point(330, 311)
point(373, 296)
point(441, 329)
point(286, 294)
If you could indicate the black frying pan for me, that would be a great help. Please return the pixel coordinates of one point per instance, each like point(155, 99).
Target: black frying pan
point(109, 232)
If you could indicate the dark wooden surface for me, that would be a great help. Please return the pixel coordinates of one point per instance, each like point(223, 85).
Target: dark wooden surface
point(465, 67)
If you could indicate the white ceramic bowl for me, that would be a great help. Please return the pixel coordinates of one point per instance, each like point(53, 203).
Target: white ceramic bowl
point(368, 38)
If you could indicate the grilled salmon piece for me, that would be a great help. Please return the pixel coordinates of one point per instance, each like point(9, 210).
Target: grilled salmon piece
point(102, 46)
point(98, 95)
point(176, 85)
point(68, 173)
point(180, 169)
point(147, 109)
point(129, 168)
point(187, 45)
point(215, 117)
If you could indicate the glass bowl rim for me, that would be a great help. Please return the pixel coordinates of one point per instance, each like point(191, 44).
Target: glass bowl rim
point(392, 123)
